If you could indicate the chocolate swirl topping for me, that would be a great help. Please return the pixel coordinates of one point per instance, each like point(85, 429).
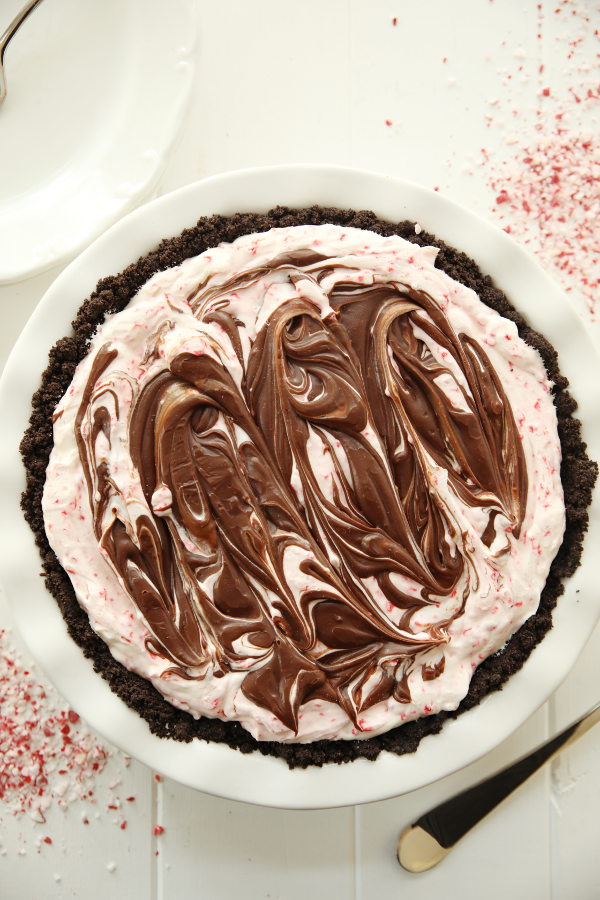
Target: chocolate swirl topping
point(303, 486)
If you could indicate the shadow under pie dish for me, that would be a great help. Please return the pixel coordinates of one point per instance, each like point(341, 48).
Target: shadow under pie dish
point(332, 481)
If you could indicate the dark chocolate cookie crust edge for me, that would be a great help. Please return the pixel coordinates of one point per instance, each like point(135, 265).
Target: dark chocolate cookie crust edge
point(112, 294)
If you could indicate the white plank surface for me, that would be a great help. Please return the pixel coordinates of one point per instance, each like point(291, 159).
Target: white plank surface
point(317, 82)
point(481, 853)
point(274, 853)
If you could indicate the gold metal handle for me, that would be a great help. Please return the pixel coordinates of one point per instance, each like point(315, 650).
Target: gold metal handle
point(6, 37)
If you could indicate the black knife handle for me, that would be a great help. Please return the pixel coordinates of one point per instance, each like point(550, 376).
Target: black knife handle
point(451, 820)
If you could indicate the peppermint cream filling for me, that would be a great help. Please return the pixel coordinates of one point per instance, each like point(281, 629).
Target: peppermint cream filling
point(307, 482)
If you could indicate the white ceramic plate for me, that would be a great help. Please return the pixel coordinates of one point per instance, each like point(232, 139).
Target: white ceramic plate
point(96, 94)
point(218, 769)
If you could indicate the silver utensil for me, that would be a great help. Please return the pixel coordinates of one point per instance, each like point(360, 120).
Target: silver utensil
point(423, 844)
point(6, 37)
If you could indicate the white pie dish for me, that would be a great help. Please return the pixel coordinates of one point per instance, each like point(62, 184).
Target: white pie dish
point(215, 768)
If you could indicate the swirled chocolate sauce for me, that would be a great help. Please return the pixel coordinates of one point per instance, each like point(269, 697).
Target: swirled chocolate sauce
point(307, 482)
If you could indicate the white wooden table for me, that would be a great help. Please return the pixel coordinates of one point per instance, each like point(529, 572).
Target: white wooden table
point(337, 81)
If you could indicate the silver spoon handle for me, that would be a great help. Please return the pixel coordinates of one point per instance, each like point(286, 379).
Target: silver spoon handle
point(422, 845)
point(16, 24)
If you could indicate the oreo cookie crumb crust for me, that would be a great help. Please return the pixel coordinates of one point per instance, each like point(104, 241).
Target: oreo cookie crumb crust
point(578, 474)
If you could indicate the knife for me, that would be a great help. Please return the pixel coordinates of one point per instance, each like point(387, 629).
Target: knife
point(423, 844)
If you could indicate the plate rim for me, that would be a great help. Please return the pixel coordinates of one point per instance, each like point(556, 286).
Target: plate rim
point(143, 164)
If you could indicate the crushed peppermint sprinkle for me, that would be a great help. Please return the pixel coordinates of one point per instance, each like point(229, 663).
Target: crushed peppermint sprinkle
point(547, 195)
point(550, 197)
point(47, 755)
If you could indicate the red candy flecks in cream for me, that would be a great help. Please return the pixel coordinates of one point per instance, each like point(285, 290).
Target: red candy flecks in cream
point(307, 482)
